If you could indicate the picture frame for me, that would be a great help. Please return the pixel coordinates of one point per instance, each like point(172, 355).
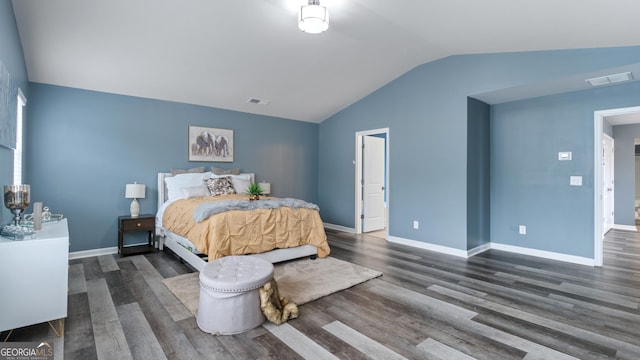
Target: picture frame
point(210, 144)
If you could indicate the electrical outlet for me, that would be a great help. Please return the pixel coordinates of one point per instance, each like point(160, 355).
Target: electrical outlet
point(522, 229)
point(416, 224)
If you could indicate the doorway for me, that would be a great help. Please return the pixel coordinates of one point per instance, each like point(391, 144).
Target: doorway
point(599, 176)
point(372, 182)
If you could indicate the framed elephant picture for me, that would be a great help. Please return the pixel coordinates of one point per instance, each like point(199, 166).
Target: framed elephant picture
point(210, 144)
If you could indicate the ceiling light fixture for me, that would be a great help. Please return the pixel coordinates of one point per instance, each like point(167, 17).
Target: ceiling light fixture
point(313, 18)
point(610, 79)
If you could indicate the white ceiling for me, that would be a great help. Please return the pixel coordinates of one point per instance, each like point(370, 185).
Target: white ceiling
point(221, 53)
point(626, 119)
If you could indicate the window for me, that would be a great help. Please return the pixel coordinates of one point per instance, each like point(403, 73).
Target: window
point(17, 153)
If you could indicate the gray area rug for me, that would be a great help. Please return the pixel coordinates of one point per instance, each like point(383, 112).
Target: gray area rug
point(300, 281)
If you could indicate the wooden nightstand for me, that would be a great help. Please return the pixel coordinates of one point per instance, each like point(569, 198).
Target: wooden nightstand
point(126, 223)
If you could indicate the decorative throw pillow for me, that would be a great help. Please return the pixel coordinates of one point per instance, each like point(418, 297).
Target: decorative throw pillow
point(219, 171)
point(220, 186)
point(199, 169)
point(240, 182)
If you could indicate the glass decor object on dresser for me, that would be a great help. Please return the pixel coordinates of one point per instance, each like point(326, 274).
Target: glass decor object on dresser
point(16, 199)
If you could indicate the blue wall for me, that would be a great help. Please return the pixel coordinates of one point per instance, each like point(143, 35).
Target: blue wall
point(85, 146)
point(426, 111)
point(478, 170)
point(625, 174)
point(530, 186)
point(13, 59)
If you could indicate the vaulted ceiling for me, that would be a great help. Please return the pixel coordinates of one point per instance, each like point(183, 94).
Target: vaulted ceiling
point(223, 53)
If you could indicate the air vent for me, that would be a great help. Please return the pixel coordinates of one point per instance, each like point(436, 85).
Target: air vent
point(258, 101)
point(610, 79)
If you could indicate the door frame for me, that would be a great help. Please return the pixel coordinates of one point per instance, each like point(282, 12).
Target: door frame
point(598, 121)
point(605, 138)
point(358, 177)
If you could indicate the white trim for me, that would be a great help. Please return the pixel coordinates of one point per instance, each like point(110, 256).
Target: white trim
point(340, 228)
point(22, 97)
point(502, 247)
point(439, 248)
point(18, 152)
point(613, 205)
point(99, 252)
point(428, 246)
point(358, 176)
point(94, 252)
point(598, 177)
point(598, 130)
point(416, 244)
point(478, 249)
point(624, 227)
point(358, 185)
point(544, 254)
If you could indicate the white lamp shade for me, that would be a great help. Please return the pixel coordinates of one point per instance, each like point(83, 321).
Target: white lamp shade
point(266, 187)
point(313, 19)
point(134, 191)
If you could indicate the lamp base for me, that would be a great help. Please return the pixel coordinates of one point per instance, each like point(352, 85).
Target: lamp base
point(135, 208)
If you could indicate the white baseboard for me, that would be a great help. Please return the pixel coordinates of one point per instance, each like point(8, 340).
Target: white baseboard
point(94, 252)
point(340, 228)
point(428, 246)
point(624, 227)
point(484, 247)
point(99, 252)
point(478, 249)
point(544, 254)
point(414, 243)
point(441, 249)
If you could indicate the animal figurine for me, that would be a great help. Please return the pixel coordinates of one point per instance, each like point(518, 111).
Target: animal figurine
point(275, 308)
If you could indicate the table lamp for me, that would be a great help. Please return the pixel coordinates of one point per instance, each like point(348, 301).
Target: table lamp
point(134, 191)
point(266, 188)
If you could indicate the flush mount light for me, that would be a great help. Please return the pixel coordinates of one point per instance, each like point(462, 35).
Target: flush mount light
point(610, 79)
point(313, 18)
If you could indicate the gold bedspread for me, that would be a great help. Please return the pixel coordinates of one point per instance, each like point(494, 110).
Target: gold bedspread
point(238, 232)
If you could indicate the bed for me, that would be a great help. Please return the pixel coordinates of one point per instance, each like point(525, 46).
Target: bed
point(197, 242)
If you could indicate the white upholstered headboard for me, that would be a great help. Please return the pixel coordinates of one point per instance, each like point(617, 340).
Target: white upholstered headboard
point(162, 189)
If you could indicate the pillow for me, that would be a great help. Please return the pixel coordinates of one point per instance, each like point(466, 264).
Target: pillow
point(195, 191)
point(240, 185)
point(240, 182)
point(219, 171)
point(220, 186)
point(175, 184)
point(199, 169)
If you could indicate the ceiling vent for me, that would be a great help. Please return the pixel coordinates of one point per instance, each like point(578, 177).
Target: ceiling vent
point(258, 101)
point(610, 79)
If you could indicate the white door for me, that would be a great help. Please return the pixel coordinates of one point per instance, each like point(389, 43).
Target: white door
point(373, 183)
point(607, 183)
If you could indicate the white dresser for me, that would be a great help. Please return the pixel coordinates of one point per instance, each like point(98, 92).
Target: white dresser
point(34, 277)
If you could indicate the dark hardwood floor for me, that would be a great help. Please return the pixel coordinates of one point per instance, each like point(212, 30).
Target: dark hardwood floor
point(496, 305)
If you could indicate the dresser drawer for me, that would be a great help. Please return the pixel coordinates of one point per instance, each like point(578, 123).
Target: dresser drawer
point(138, 224)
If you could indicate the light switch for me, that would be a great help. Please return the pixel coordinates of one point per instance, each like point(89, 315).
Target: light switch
point(575, 180)
point(564, 155)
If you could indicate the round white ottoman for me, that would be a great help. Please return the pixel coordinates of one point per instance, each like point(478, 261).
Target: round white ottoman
point(229, 298)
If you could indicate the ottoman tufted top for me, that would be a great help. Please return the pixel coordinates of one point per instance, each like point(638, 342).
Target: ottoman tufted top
point(236, 274)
